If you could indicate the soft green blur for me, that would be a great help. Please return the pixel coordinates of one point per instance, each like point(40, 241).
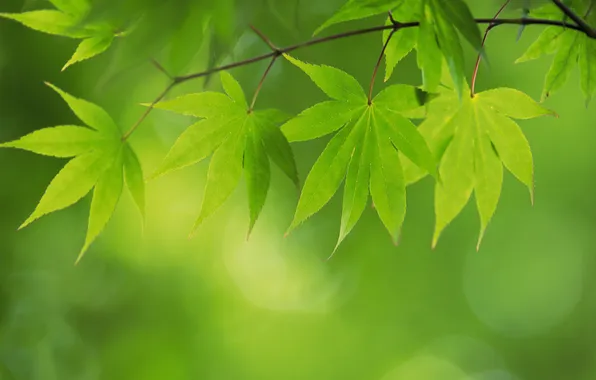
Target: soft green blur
point(146, 303)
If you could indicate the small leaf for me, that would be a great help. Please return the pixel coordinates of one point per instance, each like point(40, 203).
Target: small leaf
point(133, 175)
point(61, 141)
point(513, 103)
point(72, 7)
point(319, 120)
point(404, 40)
point(358, 9)
point(357, 181)
point(488, 173)
point(204, 105)
point(72, 183)
point(452, 51)
point(400, 45)
point(457, 13)
point(327, 173)
point(90, 47)
point(233, 89)
point(387, 185)
point(51, 22)
point(429, 55)
point(105, 198)
point(257, 174)
point(547, 43)
point(278, 148)
point(196, 143)
point(563, 63)
point(334, 82)
point(587, 66)
point(223, 176)
point(89, 113)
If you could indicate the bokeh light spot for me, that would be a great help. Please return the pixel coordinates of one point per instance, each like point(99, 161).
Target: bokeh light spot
point(277, 274)
point(528, 279)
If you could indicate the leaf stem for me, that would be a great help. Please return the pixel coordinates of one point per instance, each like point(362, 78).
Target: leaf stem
point(376, 69)
point(159, 67)
point(180, 79)
point(260, 85)
point(148, 110)
point(265, 39)
point(590, 8)
point(479, 58)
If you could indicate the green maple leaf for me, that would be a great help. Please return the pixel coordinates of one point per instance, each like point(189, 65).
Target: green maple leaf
point(100, 160)
point(570, 48)
point(364, 150)
point(437, 37)
point(238, 140)
point(68, 20)
point(473, 140)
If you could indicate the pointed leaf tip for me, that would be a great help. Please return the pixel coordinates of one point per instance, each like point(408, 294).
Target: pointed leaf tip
point(27, 222)
point(480, 238)
point(81, 254)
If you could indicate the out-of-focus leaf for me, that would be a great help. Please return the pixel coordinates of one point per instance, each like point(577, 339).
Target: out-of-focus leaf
point(90, 47)
point(358, 9)
point(569, 47)
point(133, 176)
point(51, 22)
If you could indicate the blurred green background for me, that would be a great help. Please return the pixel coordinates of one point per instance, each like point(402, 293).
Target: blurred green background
point(149, 304)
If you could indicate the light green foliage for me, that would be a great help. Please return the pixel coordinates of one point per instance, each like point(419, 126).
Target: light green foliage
point(99, 158)
point(374, 148)
point(402, 42)
point(441, 21)
point(569, 48)
point(133, 176)
point(364, 151)
point(89, 48)
point(69, 20)
point(105, 198)
point(472, 140)
point(237, 138)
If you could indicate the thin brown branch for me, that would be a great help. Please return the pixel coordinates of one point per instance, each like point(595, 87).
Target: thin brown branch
point(265, 39)
point(590, 8)
point(584, 26)
point(159, 67)
point(392, 19)
point(316, 41)
point(376, 70)
point(260, 85)
point(147, 111)
point(486, 32)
